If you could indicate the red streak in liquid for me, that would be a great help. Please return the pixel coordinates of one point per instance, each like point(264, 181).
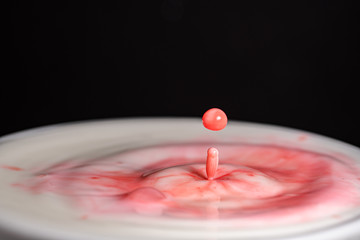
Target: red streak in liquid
point(11, 168)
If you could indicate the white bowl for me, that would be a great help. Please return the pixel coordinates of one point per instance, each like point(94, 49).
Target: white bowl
point(50, 217)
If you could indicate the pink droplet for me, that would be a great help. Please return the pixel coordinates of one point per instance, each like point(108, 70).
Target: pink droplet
point(214, 119)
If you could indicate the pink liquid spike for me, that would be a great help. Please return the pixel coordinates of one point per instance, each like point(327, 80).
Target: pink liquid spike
point(212, 162)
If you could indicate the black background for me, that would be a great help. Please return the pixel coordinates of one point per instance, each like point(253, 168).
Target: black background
point(293, 63)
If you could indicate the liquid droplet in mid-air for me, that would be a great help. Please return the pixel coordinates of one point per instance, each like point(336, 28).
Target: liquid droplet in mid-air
point(214, 119)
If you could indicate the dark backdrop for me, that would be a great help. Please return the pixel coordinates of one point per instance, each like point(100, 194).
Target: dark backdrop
point(293, 64)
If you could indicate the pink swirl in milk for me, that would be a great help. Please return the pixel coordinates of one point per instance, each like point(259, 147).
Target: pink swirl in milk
point(252, 181)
